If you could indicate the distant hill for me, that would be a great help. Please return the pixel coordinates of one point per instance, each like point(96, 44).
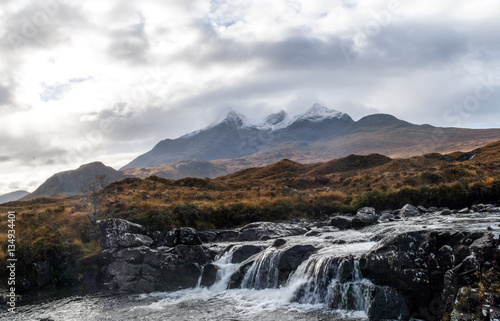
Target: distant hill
point(69, 182)
point(319, 135)
point(13, 196)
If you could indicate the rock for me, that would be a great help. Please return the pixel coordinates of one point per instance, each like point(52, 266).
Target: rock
point(209, 276)
point(446, 212)
point(365, 216)
point(132, 240)
point(387, 304)
point(227, 236)
point(279, 242)
point(464, 211)
point(346, 272)
point(386, 217)
point(114, 230)
point(313, 233)
point(417, 262)
point(467, 303)
point(131, 255)
point(341, 222)
point(207, 236)
point(409, 211)
point(292, 258)
point(432, 209)
point(183, 235)
point(422, 209)
point(268, 230)
point(242, 253)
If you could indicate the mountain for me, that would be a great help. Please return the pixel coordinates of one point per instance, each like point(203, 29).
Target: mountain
point(318, 135)
point(70, 182)
point(13, 196)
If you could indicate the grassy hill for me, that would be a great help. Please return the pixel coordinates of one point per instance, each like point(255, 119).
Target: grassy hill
point(58, 230)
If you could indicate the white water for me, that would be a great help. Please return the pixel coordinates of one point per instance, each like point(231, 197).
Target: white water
point(312, 292)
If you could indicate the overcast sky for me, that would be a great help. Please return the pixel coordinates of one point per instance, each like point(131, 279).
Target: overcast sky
point(94, 80)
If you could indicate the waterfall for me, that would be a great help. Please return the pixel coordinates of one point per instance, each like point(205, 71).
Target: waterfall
point(263, 274)
point(335, 282)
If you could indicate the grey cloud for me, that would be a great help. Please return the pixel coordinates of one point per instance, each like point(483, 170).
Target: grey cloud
point(130, 44)
point(40, 26)
point(5, 95)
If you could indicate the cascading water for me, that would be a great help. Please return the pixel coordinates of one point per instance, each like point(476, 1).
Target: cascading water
point(263, 274)
point(322, 279)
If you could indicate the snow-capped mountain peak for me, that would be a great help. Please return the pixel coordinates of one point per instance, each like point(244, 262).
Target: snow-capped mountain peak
point(275, 121)
point(319, 113)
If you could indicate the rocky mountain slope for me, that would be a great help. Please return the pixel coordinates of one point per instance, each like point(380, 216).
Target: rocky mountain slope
point(319, 135)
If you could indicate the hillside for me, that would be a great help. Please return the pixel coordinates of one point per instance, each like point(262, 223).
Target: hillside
point(13, 196)
point(70, 182)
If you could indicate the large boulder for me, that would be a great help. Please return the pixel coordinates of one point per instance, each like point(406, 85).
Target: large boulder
point(417, 263)
point(409, 211)
point(243, 252)
point(365, 216)
point(118, 233)
point(341, 222)
point(387, 304)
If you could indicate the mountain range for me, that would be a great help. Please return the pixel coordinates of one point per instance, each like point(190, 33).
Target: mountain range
point(320, 134)
point(233, 143)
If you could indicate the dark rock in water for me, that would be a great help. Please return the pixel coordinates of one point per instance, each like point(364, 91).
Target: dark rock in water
point(244, 252)
point(422, 209)
point(446, 212)
point(387, 304)
point(365, 216)
point(341, 222)
point(43, 274)
point(116, 233)
point(313, 233)
point(279, 242)
point(346, 271)
point(409, 211)
point(292, 258)
point(418, 261)
point(386, 217)
point(209, 276)
point(432, 209)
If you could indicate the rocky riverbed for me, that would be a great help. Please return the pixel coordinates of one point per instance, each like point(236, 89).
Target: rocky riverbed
point(396, 265)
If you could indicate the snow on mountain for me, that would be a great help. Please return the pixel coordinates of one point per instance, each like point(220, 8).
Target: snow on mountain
point(319, 113)
point(231, 117)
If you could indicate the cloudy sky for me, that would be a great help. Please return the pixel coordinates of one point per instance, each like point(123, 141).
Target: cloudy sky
point(105, 80)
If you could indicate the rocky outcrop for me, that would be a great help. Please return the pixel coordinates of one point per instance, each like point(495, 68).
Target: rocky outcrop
point(428, 267)
point(135, 266)
point(261, 231)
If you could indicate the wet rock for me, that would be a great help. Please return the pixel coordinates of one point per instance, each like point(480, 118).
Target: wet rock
point(387, 304)
point(422, 209)
point(386, 217)
point(114, 230)
point(341, 222)
point(432, 209)
point(409, 211)
point(446, 211)
point(365, 216)
point(209, 276)
point(131, 255)
point(244, 252)
point(313, 233)
point(346, 272)
point(292, 258)
point(279, 242)
point(464, 211)
point(268, 230)
point(183, 235)
point(207, 236)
